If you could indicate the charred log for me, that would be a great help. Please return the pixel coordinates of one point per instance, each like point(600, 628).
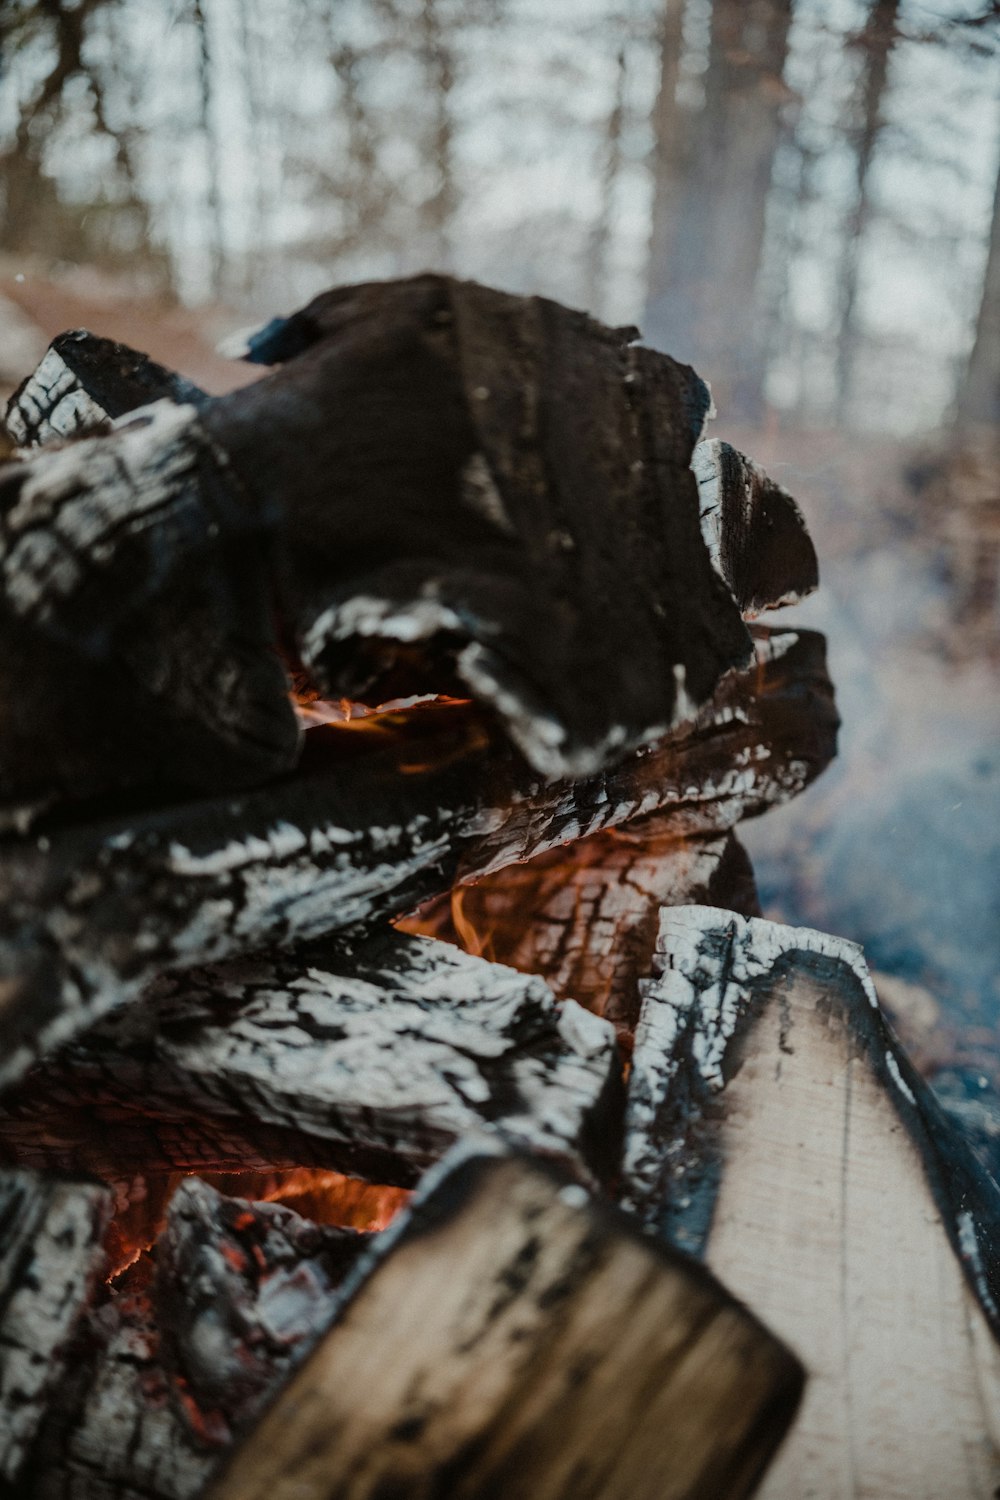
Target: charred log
point(51, 1258)
point(372, 1063)
point(136, 638)
point(753, 529)
point(586, 917)
point(83, 382)
point(515, 1338)
point(187, 1349)
point(91, 912)
point(776, 1127)
point(511, 485)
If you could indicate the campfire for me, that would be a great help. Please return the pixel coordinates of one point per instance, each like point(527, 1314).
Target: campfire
point(402, 1093)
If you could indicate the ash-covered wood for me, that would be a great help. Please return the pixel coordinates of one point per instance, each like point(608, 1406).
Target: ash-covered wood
point(51, 1259)
point(90, 912)
point(753, 529)
point(82, 382)
point(187, 1349)
point(371, 1062)
point(776, 1126)
point(518, 1339)
point(586, 917)
point(502, 482)
point(137, 643)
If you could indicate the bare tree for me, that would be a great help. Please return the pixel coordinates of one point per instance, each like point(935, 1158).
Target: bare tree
point(875, 42)
point(701, 300)
point(979, 390)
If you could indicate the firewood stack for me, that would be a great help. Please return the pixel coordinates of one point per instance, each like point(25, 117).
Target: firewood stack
point(372, 741)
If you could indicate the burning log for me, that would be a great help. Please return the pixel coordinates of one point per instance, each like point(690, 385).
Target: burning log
point(91, 912)
point(515, 1338)
point(513, 511)
point(82, 383)
point(776, 1128)
point(753, 529)
point(586, 917)
point(51, 1258)
point(172, 1365)
point(370, 1062)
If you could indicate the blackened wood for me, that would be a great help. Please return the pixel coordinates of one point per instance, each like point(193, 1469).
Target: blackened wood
point(754, 530)
point(776, 1126)
point(516, 1339)
point(188, 1349)
point(371, 1062)
point(51, 1258)
point(500, 480)
point(82, 382)
point(92, 911)
point(136, 638)
point(586, 917)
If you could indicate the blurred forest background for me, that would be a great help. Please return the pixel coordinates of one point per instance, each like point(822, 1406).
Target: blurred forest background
point(800, 197)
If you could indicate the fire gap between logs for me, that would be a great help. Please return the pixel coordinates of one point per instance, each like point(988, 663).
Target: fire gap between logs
point(401, 1091)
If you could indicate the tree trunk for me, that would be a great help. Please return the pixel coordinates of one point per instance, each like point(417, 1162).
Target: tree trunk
point(702, 303)
point(979, 392)
point(876, 43)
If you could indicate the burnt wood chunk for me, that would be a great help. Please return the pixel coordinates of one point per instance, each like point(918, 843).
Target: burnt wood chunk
point(51, 1259)
point(503, 484)
point(91, 911)
point(586, 917)
point(372, 1062)
point(84, 381)
point(515, 1338)
point(137, 642)
point(754, 530)
point(187, 1349)
point(776, 1127)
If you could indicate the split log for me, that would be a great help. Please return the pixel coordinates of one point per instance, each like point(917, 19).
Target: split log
point(51, 1259)
point(174, 1362)
point(82, 383)
point(753, 529)
point(370, 1062)
point(776, 1127)
point(586, 917)
point(91, 912)
point(137, 643)
point(515, 1338)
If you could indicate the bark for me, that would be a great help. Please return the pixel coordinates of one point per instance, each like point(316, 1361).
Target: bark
point(518, 1339)
point(876, 43)
point(586, 918)
point(754, 531)
point(51, 1259)
point(776, 1127)
point(370, 1062)
point(82, 382)
point(701, 300)
point(188, 1349)
point(90, 912)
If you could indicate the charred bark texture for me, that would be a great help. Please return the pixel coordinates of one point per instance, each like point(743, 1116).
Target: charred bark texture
point(515, 1338)
point(498, 480)
point(84, 382)
point(754, 530)
point(188, 1349)
point(776, 1127)
point(136, 639)
point(91, 912)
point(372, 1063)
point(586, 918)
point(51, 1259)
